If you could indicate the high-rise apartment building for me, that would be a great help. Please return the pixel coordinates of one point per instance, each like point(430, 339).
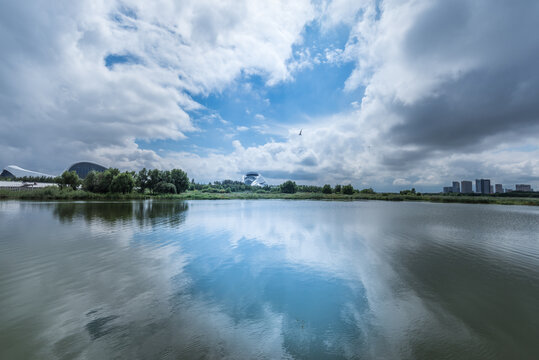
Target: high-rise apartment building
point(523, 187)
point(482, 186)
point(456, 187)
point(499, 188)
point(466, 187)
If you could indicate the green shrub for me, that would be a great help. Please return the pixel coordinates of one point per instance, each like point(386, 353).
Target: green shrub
point(348, 189)
point(104, 180)
point(122, 183)
point(326, 189)
point(90, 181)
point(165, 188)
point(289, 187)
point(68, 179)
point(367, 191)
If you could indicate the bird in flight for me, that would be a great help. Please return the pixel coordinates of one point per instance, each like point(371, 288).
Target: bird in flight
point(300, 132)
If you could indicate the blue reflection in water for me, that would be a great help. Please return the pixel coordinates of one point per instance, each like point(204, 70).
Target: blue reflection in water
point(313, 303)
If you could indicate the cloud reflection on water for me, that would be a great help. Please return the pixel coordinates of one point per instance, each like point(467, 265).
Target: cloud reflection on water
point(265, 279)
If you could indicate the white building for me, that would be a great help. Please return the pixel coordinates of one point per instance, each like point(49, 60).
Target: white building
point(13, 171)
point(19, 185)
point(254, 179)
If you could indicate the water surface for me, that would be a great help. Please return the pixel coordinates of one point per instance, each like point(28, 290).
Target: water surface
point(268, 279)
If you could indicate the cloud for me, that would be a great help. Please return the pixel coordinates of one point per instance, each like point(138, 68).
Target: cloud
point(242, 128)
point(91, 77)
point(400, 182)
point(448, 89)
point(449, 76)
point(447, 84)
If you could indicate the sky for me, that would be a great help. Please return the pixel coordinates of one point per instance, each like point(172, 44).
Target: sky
point(387, 94)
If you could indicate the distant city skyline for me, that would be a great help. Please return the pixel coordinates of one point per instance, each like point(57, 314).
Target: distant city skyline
point(483, 186)
point(385, 94)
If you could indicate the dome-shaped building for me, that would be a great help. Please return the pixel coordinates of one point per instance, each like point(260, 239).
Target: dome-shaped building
point(254, 179)
point(84, 167)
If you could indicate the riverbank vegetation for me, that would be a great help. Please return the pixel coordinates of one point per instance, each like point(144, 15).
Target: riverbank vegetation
point(175, 185)
point(55, 193)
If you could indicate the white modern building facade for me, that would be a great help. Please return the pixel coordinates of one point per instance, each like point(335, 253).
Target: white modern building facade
point(14, 171)
point(254, 179)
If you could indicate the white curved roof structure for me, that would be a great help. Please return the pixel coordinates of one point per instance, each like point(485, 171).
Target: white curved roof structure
point(254, 179)
point(18, 172)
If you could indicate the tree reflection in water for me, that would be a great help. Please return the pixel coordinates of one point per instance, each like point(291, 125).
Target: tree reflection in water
point(146, 213)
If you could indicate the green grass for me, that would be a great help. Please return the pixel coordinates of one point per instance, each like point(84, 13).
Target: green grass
point(54, 193)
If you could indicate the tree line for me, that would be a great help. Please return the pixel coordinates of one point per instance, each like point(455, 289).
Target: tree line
point(175, 181)
point(288, 187)
point(112, 180)
point(291, 187)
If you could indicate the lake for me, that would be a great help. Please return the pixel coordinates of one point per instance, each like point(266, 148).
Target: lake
point(268, 279)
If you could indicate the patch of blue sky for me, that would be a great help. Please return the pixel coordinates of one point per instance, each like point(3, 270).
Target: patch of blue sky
point(254, 113)
point(378, 10)
point(127, 11)
point(523, 148)
point(125, 17)
point(113, 59)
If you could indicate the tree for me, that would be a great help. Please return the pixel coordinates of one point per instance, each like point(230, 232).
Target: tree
point(165, 188)
point(155, 177)
point(367, 191)
point(337, 189)
point(123, 183)
point(348, 189)
point(408, 192)
point(58, 180)
point(70, 178)
point(326, 189)
point(165, 176)
point(142, 180)
point(90, 181)
point(179, 179)
point(104, 180)
point(289, 187)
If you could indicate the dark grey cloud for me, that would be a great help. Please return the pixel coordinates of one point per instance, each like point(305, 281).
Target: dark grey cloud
point(290, 175)
point(466, 112)
point(491, 98)
point(309, 160)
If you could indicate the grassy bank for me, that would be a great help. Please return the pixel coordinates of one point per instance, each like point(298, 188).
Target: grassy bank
point(54, 193)
point(195, 195)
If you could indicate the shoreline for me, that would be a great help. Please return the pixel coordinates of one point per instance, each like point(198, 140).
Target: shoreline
point(70, 195)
